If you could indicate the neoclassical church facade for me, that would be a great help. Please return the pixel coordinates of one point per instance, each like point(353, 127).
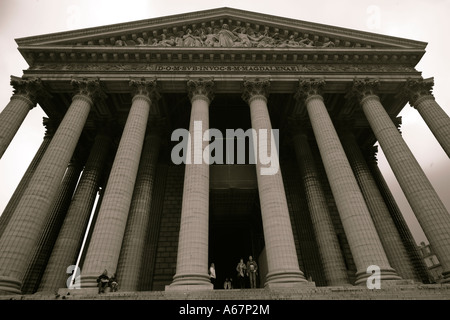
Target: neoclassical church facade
point(115, 95)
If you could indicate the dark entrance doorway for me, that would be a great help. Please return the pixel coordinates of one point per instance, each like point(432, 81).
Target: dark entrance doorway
point(235, 231)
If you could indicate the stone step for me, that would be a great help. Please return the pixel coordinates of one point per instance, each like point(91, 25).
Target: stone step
point(391, 292)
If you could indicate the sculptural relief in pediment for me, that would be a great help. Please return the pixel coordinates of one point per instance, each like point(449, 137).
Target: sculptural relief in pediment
point(227, 36)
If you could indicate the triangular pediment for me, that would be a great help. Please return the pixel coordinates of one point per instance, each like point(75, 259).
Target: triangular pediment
point(222, 34)
point(206, 29)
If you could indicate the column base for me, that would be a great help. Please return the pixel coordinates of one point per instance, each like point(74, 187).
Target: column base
point(385, 274)
point(10, 285)
point(190, 282)
point(446, 277)
point(88, 282)
point(286, 279)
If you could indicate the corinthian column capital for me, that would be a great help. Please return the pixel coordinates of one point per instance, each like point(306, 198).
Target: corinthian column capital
point(29, 90)
point(417, 90)
point(256, 88)
point(88, 88)
point(201, 89)
point(146, 88)
point(309, 88)
point(365, 88)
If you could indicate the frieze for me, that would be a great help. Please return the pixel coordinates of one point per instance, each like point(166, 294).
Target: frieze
point(118, 67)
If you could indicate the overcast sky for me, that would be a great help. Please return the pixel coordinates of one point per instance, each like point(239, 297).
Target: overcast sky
point(413, 19)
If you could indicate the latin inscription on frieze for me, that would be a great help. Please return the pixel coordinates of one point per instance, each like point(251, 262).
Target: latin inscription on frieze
point(112, 67)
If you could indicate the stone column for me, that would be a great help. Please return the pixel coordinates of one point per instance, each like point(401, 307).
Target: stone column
point(330, 252)
point(426, 204)
point(362, 236)
point(397, 216)
point(104, 247)
point(421, 98)
point(70, 238)
point(23, 100)
point(49, 233)
point(192, 257)
point(15, 198)
point(132, 252)
point(282, 260)
point(381, 217)
point(29, 218)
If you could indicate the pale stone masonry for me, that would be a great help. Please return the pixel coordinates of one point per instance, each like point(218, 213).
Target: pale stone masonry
point(431, 213)
point(12, 116)
point(55, 219)
point(15, 198)
point(283, 268)
point(192, 261)
point(421, 98)
point(364, 241)
point(68, 244)
point(30, 215)
point(107, 237)
point(133, 246)
point(381, 217)
point(318, 214)
point(327, 241)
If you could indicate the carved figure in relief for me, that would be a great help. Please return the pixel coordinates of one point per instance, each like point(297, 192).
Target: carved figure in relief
point(164, 42)
point(306, 42)
point(226, 37)
point(243, 41)
point(246, 40)
point(328, 44)
point(179, 39)
point(290, 42)
point(192, 40)
point(210, 39)
point(188, 39)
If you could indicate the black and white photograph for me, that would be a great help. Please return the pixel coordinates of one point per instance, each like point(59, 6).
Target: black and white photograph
point(220, 157)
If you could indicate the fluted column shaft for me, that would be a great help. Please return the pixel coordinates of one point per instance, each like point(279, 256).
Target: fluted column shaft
point(362, 236)
point(132, 252)
point(53, 223)
point(426, 204)
point(12, 116)
point(381, 217)
point(282, 260)
point(192, 256)
point(15, 198)
point(421, 98)
point(29, 218)
point(401, 225)
point(327, 241)
point(104, 247)
point(70, 238)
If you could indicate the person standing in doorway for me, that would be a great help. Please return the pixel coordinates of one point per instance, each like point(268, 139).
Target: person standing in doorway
point(212, 275)
point(241, 271)
point(252, 269)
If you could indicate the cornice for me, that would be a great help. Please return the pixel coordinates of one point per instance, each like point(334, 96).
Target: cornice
point(83, 54)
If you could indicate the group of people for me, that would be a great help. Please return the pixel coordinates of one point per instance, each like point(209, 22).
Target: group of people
point(244, 270)
point(104, 281)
